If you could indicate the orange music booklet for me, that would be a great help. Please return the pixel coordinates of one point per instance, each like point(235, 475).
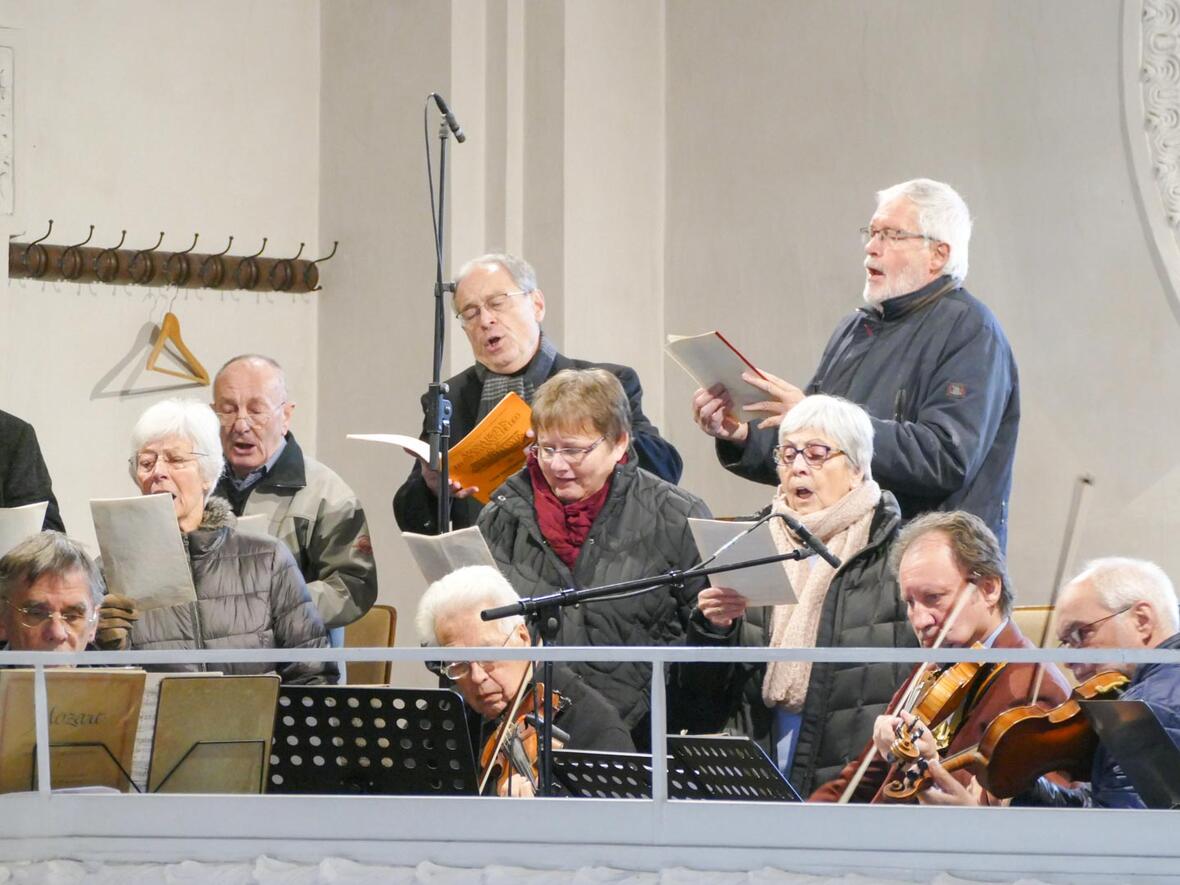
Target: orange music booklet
point(485, 457)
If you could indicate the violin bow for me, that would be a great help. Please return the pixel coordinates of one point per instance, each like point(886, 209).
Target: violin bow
point(509, 716)
point(906, 701)
point(1068, 548)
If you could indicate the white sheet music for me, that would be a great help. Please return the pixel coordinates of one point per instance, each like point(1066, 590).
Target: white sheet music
point(18, 523)
point(439, 555)
point(142, 554)
point(761, 585)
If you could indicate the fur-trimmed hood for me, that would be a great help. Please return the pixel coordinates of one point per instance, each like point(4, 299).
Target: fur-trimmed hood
point(218, 514)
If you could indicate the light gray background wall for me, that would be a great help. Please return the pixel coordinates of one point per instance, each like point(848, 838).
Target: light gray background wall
point(669, 167)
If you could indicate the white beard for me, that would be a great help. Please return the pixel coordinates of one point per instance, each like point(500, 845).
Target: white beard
point(905, 282)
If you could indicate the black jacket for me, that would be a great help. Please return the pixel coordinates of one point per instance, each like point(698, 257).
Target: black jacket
point(641, 531)
point(939, 381)
point(862, 609)
point(24, 478)
point(415, 506)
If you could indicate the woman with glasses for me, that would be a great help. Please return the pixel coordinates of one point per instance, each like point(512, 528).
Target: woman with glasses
point(815, 717)
point(582, 513)
point(250, 593)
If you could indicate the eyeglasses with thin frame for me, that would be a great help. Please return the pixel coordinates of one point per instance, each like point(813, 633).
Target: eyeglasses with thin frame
point(892, 235)
point(572, 456)
point(75, 618)
point(1079, 637)
point(257, 416)
point(457, 670)
point(145, 462)
point(815, 454)
point(497, 303)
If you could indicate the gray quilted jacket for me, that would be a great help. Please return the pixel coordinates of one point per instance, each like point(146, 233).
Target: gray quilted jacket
point(641, 531)
point(249, 595)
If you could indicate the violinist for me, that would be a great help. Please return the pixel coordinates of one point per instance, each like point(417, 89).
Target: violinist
point(448, 616)
point(952, 580)
point(1117, 603)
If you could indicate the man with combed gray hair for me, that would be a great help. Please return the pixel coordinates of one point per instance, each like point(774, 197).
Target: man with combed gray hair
point(500, 308)
point(926, 360)
point(448, 615)
point(50, 594)
point(1118, 603)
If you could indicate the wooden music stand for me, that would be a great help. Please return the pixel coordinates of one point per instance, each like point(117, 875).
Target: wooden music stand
point(93, 715)
point(213, 734)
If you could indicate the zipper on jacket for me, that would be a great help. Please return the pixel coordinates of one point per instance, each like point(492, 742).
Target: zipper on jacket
point(899, 404)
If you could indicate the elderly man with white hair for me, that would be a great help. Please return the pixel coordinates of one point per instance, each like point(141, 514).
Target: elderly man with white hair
point(448, 616)
point(1118, 603)
point(926, 359)
point(250, 593)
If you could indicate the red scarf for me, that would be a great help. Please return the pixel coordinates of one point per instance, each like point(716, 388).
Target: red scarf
point(565, 526)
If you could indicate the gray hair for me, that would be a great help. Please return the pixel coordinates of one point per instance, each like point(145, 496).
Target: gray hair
point(521, 271)
point(471, 588)
point(190, 419)
point(48, 553)
point(974, 547)
point(844, 422)
point(280, 372)
point(942, 215)
point(1120, 582)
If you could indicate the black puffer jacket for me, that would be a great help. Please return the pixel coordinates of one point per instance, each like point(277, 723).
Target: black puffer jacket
point(642, 530)
point(862, 610)
point(249, 595)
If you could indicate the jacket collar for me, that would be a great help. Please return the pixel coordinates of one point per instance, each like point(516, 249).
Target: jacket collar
point(902, 306)
point(289, 472)
point(216, 522)
point(1145, 670)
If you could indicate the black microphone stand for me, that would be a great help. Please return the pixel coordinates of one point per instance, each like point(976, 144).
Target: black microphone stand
point(438, 407)
point(544, 612)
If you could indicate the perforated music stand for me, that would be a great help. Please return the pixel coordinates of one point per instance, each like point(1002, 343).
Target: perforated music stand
point(371, 740)
point(590, 774)
point(733, 768)
point(1135, 739)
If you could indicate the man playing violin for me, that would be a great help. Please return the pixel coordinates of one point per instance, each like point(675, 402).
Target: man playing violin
point(448, 616)
point(1118, 603)
point(952, 579)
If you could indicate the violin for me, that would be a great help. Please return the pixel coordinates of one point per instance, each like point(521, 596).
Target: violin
point(940, 694)
point(512, 749)
point(1023, 743)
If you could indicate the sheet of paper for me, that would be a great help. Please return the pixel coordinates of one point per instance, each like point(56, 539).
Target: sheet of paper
point(439, 555)
point(710, 359)
point(254, 524)
point(142, 753)
point(142, 554)
point(494, 449)
point(762, 584)
point(18, 523)
point(415, 446)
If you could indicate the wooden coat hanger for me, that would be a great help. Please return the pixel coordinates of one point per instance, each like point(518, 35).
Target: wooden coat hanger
point(170, 331)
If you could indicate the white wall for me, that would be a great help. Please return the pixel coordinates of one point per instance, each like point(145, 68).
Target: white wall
point(154, 116)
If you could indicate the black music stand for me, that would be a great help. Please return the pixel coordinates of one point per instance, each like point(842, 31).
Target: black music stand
point(591, 774)
point(371, 740)
point(1132, 734)
point(733, 768)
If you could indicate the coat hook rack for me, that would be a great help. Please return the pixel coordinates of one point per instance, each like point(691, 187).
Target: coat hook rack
point(183, 269)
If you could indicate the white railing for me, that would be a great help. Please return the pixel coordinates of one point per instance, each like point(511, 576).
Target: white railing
point(654, 655)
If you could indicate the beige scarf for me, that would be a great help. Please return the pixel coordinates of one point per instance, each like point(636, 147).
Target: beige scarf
point(844, 528)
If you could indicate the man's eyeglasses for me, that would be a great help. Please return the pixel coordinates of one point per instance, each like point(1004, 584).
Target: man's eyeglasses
point(258, 416)
point(1079, 637)
point(75, 618)
point(497, 303)
point(459, 669)
point(571, 456)
point(892, 235)
point(145, 462)
point(815, 454)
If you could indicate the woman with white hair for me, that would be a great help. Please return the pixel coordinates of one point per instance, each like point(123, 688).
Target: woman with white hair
point(820, 715)
point(250, 593)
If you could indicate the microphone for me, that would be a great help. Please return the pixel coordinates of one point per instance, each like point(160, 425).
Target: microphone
point(810, 540)
point(452, 123)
